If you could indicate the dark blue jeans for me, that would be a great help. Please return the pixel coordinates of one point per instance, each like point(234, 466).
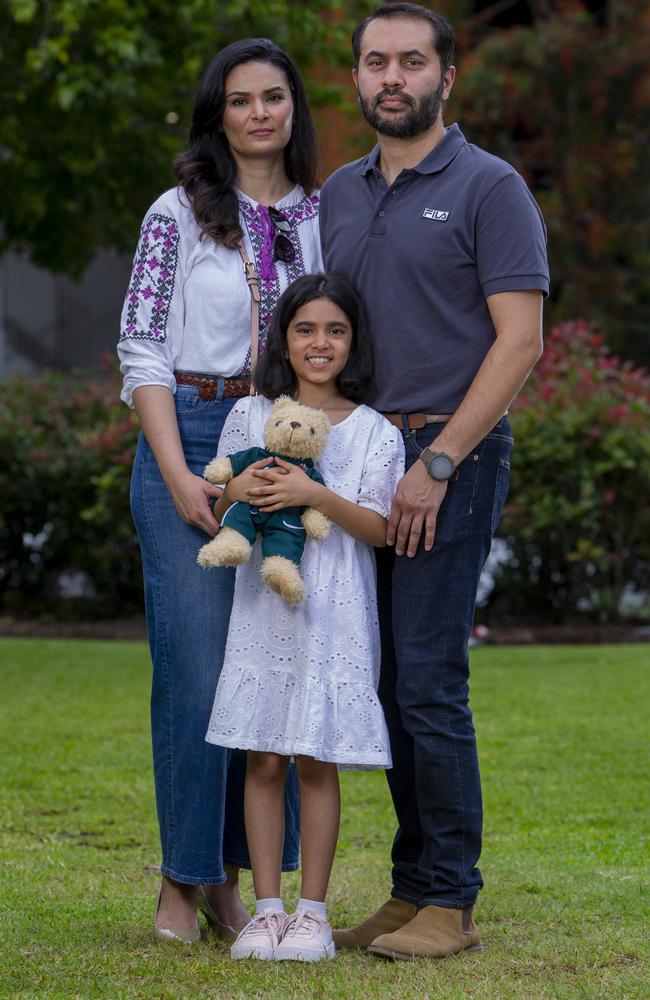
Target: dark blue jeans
point(199, 787)
point(426, 608)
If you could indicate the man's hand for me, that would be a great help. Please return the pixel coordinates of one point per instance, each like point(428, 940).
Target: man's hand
point(415, 506)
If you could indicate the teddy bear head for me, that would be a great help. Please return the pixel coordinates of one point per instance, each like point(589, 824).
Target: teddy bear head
point(295, 430)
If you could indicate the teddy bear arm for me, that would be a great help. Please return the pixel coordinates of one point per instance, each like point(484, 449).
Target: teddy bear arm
point(219, 470)
point(316, 524)
point(222, 470)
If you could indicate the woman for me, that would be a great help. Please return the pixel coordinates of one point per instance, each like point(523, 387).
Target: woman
point(246, 191)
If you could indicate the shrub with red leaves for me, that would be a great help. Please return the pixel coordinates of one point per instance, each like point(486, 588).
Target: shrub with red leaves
point(66, 447)
point(578, 518)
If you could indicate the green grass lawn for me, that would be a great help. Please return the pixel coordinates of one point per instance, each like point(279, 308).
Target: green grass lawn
point(562, 737)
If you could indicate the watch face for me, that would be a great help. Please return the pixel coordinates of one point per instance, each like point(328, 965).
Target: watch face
point(441, 467)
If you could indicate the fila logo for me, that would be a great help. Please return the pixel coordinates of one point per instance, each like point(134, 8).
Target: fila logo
point(435, 214)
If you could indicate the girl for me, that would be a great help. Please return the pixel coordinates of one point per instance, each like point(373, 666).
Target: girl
point(300, 681)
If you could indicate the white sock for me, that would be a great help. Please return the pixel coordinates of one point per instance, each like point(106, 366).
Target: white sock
point(268, 904)
point(313, 905)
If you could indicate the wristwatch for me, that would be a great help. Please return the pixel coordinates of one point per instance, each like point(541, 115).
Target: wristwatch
point(439, 465)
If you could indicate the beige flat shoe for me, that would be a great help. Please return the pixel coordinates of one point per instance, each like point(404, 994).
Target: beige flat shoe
point(222, 931)
point(186, 935)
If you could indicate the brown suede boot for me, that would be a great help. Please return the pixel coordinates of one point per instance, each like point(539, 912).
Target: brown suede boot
point(434, 932)
point(389, 917)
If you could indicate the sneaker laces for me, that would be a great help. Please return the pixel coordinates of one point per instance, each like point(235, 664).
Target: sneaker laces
point(271, 921)
point(304, 923)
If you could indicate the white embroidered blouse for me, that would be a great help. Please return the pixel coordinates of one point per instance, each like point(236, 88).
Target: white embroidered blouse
point(188, 306)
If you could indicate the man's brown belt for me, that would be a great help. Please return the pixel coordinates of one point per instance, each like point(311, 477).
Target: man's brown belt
point(209, 387)
point(414, 421)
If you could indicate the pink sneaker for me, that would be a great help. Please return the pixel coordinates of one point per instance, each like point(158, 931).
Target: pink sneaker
point(260, 937)
point(307, 937)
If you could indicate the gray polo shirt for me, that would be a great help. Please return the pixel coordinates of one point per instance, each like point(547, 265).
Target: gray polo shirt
point(425, 253)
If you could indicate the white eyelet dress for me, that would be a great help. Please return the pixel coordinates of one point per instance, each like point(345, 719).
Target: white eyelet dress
point(303, 679)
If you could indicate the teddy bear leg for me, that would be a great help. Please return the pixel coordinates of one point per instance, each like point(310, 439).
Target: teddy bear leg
point(282, 576)
point(227, 548)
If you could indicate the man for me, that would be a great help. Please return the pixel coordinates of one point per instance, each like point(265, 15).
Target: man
point(448, 250)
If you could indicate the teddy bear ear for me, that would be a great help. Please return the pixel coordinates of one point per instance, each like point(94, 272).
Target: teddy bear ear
point(282, 403)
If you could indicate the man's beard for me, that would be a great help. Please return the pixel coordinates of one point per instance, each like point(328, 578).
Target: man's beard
point(409, 123)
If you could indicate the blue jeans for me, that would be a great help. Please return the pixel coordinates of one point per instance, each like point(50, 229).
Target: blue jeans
point(426, 608)
point(199, 787)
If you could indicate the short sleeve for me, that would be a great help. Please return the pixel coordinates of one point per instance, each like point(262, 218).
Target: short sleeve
point(382, 469)
point(511, 239)
point(236, 433)
point(244, 425)
point(151, 327)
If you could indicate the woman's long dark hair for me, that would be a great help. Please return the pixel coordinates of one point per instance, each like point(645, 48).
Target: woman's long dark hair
point(275, 377)
point(207, 170)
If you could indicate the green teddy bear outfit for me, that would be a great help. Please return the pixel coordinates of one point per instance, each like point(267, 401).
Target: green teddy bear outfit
point(282, 532)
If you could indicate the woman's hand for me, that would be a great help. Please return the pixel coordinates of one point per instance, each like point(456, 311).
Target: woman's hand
point(191, 495)
point(285, 486)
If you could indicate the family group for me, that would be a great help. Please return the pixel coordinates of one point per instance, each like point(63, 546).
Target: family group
point(395, 312)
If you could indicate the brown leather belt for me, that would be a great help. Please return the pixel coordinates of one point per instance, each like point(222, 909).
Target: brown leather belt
point(209, 387)
point(415, 421)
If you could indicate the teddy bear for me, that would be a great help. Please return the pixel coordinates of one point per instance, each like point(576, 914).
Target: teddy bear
point(297, 434)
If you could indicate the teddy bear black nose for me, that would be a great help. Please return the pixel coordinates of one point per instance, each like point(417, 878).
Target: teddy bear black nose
point(295, 424)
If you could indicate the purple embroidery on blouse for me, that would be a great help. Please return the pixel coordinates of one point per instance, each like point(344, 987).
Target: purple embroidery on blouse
point(268, 235)
point(152, 281)
point(254, 219)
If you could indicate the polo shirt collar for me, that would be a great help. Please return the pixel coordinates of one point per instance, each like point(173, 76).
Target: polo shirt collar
point(369, 163)
point(439, 157)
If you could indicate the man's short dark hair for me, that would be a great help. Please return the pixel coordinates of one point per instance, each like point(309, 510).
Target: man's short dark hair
point(443, 33)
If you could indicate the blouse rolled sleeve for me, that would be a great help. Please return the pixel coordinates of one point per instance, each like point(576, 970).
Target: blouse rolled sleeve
point(151, 326)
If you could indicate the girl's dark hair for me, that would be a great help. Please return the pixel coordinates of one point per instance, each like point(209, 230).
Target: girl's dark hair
point(443, 33)
point(207, 170)
point(273, 374)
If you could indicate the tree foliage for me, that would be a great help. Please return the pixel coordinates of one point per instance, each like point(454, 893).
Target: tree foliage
point(95, 97)
point(567, 102)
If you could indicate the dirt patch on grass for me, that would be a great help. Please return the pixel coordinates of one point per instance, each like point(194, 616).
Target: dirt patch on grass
point(572, 634)
point(118, 628)
point(134, 628)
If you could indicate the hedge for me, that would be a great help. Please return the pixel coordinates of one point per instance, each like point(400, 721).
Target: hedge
point(66, 446)
point(577, 522)
point(576, 526)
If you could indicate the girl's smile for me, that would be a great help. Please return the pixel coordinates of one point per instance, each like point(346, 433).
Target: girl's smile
point(319, 338)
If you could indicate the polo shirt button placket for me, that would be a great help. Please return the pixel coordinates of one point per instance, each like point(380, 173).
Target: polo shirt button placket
point(378, 227)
